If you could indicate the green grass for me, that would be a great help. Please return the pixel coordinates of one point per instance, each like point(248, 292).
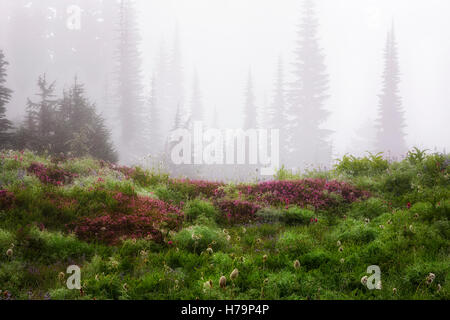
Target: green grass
point(403, 228)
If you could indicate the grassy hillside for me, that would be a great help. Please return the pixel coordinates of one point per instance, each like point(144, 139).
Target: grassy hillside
point(137, 234)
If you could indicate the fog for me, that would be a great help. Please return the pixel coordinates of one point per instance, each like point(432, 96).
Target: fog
point(222, 41)
point(223, 38)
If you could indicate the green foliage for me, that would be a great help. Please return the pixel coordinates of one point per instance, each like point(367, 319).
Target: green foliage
point(403, 228)
point(370, 208)
point(163, 192)
point(292, 216)
point(68, 125)
point(416, 156)
point(371, 165)
point(148, 178)
point(196, 208)
point(198, 238)
point(399, 180)
point(295, 243)
point(355, 232)
point(5, 97)
point(285, 174)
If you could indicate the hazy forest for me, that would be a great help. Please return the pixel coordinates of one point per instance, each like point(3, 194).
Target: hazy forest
point(213, 149)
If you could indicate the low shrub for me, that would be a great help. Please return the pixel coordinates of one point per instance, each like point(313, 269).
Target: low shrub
point(146, 218)
point(168, 195)
point(195, 208)
point(51, 175)
point(319, 193)
point(281, 285)
point(399, 180)
point(373, 164)
point(295, 243)
point(291, 216)
point(296, 215)
point(113, 229)
point(357, 233)
point(237, 211)
point(371, 208)
point(423, 211)
point(192, 189)
point(198, 238)
point(315, 259)
point(7, 200)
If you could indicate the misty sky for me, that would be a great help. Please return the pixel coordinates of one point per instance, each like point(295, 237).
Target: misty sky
point(224, 38)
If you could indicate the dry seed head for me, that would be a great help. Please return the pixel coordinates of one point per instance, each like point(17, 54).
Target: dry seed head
point(223, 282)
point(234, 274)
point(364, 280)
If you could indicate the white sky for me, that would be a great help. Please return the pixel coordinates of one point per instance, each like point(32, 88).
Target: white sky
point(224, 38)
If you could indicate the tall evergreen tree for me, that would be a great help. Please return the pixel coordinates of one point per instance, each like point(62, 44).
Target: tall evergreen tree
point(197, 112)
point(5, 97)
point(155, 134)
point(179, 122)
point(391, 120)
point(162, 89)
point(80, 129)
point(250, 109)
point(308, 95)
point(175, 75)
point(277, 118)
point(40, 119)
point(129, 86)
point(277, 110)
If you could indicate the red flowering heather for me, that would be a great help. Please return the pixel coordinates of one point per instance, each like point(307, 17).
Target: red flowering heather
point(238, 211)
point(7, 200)
point(319, 193)
point(62, 203)
point(112, 229)
point(51, 175)
point(141, 217)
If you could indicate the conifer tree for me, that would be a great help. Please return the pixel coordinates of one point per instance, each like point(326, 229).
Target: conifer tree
point(5, 97)
point(80, 129)
point(250, 109)
point(391, 120)
point(155, 132)
point(277, 117)
point(307, 96)
point(40, 119)
point(197, 112)
point(175, 76)
point(129, 86)
point(162, 90)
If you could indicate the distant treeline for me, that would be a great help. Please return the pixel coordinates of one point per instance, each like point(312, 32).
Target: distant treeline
point(58, 125)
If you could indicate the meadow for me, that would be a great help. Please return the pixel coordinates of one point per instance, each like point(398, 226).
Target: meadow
point(140, 234)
